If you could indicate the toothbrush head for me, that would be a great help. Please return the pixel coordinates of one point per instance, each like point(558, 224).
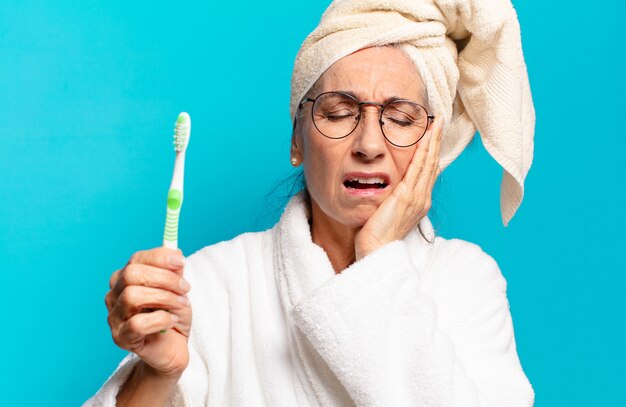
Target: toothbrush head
point(182, 131)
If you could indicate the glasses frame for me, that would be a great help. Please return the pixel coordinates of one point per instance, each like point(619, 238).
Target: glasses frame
point(380, 115)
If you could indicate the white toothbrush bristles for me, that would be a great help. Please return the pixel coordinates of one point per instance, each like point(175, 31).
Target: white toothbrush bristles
point(182, 131)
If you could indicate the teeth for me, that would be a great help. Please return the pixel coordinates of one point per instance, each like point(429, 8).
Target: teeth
point(376, 180)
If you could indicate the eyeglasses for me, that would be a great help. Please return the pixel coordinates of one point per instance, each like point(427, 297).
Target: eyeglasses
point(336, 115)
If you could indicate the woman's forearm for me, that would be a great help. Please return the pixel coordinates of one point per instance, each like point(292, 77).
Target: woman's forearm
point(144, 387)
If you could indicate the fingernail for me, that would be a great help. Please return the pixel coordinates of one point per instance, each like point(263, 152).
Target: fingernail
point(183, 300)
point(176, 261)
point(184, 285)
point(175, 318)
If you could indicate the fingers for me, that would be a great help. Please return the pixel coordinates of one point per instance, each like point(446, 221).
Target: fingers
point(149, 276)
point(135, 299)
point(160, 257)
point(114, 277)
point(139, 274)
point(131, 333)
point(417, 163)
point(435, 165)
point(431, 164)
point(426, 157)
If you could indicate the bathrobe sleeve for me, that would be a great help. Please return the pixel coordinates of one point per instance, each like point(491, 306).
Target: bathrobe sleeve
point(390, 343)
point(107, 395)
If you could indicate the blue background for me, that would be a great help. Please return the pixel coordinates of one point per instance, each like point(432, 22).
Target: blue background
point(89, 92)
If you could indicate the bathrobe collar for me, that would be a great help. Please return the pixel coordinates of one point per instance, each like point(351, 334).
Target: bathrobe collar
point(302, 266)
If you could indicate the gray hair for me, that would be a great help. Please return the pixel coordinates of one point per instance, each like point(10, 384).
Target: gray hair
point(314, 90)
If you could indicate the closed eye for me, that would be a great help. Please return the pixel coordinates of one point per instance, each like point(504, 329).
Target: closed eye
point(403, 123)
point(338, 116)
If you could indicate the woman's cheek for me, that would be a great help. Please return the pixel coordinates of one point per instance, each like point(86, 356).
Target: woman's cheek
point(403, 161)
point(314, 174)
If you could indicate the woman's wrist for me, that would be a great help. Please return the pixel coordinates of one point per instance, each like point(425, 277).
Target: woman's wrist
point(359, 253)
point(150, 373)
point(363, 247)
point(146, 386)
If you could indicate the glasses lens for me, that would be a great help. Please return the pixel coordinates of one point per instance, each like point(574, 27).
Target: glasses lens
point(335, 115)
point(404, 123)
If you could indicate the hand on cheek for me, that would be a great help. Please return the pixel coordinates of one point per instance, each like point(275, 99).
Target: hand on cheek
point(409, 201)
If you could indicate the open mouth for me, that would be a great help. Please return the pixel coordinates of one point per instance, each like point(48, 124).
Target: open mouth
point(365, 183)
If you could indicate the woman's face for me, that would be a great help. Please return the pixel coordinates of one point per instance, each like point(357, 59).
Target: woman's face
point(375, 74)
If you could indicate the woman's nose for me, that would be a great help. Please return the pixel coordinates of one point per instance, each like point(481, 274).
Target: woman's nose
point(369, 141)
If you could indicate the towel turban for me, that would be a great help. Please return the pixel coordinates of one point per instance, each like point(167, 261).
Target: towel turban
point(469, 55)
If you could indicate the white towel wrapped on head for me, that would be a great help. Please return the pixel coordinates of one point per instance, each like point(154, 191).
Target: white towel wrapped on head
point(470, 57)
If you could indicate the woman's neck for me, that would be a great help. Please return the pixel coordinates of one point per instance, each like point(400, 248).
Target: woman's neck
point(336, 239)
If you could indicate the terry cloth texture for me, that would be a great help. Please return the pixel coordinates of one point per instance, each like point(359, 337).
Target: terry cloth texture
point(411, 324)
point(469, 54)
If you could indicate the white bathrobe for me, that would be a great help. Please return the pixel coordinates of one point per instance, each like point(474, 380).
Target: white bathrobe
point(411, 324)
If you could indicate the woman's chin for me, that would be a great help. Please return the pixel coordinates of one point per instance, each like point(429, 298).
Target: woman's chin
point(346, 213)
point(359, 216)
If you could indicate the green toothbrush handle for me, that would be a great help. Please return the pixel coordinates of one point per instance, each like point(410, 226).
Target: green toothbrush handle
point(170, 235)
point(174, 203)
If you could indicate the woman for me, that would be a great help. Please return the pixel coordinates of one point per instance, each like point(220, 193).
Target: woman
point(349, 299)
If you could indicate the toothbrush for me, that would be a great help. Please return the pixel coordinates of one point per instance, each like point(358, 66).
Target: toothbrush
point(182, 131)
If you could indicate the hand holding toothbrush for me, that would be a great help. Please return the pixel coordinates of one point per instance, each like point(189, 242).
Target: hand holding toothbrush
point(141, 292)
point(149, 312)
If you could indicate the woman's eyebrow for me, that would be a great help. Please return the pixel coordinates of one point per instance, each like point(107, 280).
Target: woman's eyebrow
point(387, 100)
